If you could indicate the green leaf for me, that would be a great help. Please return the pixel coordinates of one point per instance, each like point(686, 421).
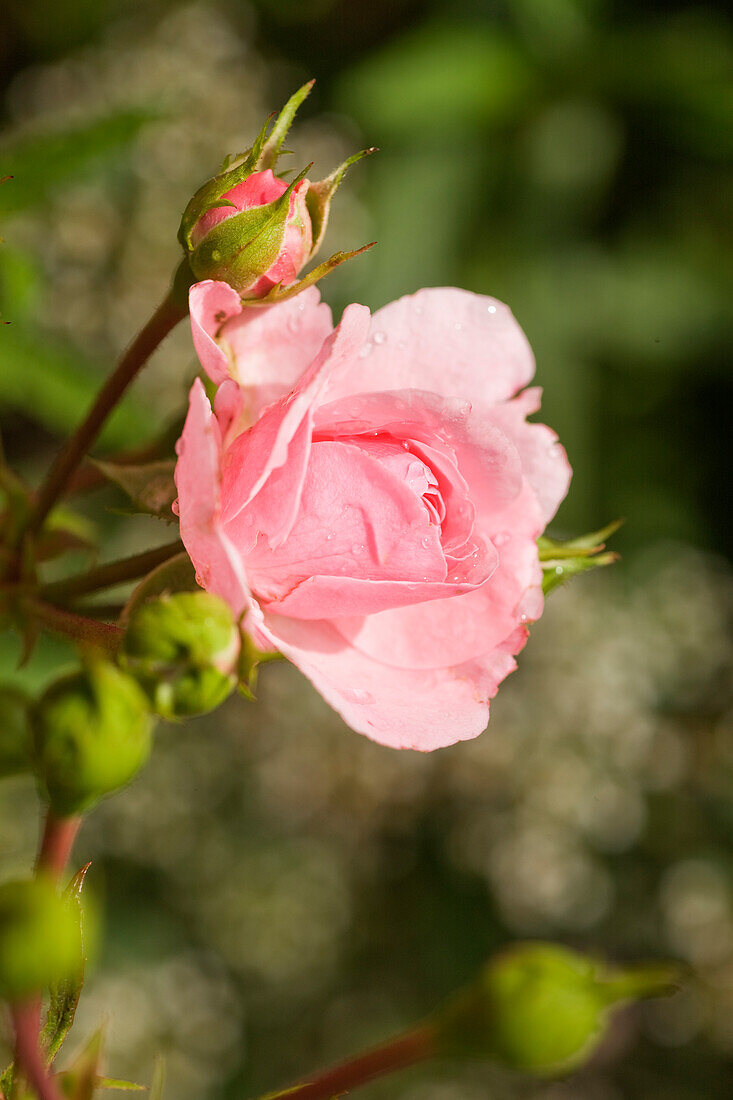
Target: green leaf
point(123, 1086)
point(150, 487)
point(40, 165)
point(65, 530)
point(562, 560)
point(64, 997)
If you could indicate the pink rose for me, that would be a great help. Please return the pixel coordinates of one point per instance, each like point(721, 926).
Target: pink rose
point(284, 257)
point(371, 496)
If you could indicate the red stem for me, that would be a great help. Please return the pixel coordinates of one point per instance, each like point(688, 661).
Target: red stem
point(405, 1050)
point(104, 636)
point(29, 1060)
point(165, 318)
point(58, 838)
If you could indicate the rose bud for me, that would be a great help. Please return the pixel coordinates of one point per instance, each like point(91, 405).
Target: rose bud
point(92, 733)
point(370, 497)
point(15, 738)
point(39, 938)
point(252, 229)
point(541, 1008)
point(183, 650)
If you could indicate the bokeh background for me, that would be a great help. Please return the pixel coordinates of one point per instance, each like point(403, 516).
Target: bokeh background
point(278, 891)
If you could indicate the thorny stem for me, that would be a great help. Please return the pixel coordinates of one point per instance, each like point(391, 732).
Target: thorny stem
point(406, 1050)
point(111, 574)
point(163, 320)
point(78, 628)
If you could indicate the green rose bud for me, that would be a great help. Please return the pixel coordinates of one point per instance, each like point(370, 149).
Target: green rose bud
point(250, 228)
point(15, 737)
point(540, 1008)
point(92, 734)
point(183, 649)
point(39, 938)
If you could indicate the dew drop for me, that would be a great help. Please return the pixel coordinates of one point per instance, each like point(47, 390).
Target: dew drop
point(559, 570)
point(176, 508)
point(425, 541)
point(358, 695)
point(357, 548)
point(522, 618)
point(492, 309)
point(501, 539)
point(379, 337)
point(458, 325)
point(366, 350)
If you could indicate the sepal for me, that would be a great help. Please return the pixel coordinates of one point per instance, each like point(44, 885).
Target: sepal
point(562, 560)
point(320, 195)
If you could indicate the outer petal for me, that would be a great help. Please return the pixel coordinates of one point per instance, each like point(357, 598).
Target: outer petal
point(210, 304)
point(264, 348)
point(544, 461)
point(254, 456)
point(404, 709)
point(197, 479)
point(446, 340)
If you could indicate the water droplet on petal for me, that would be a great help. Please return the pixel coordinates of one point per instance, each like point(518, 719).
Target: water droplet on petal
point(358, 695)
point(458, 325)
point(366, 350)
point(357, 548)
point(501, 538)
point(491, 309)
point(379, 337)
point(176, 508)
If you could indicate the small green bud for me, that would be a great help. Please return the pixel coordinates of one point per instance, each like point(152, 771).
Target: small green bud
point(183, 650)
point(540, 1008)
point(15, 736)
point(92, 734)
point(39, 938)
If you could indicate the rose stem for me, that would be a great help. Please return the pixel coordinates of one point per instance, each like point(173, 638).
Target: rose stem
point(163, 320)
point(406, 1050)
point(54, 850)
point(111, 574)
point(104, 636)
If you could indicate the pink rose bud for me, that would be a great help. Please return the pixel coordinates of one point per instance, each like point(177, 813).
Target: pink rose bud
point(370, 498)
point(253, 230)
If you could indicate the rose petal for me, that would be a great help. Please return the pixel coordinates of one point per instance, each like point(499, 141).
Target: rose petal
point(197, 480)
point(404, 709)
point(445, 340)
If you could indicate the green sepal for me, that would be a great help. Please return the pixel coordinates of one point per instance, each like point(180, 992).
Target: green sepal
point(280, 293)
point(273, 145)
point(248, 666)
point(209, 195)
point(149, 486)
point(64, 996)
point(175, 575)
point(241, 248)
point(183, 649)
point(562, 560)
point(319, 195)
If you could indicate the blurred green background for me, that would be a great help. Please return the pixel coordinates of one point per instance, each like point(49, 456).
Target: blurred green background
point(279, 891)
